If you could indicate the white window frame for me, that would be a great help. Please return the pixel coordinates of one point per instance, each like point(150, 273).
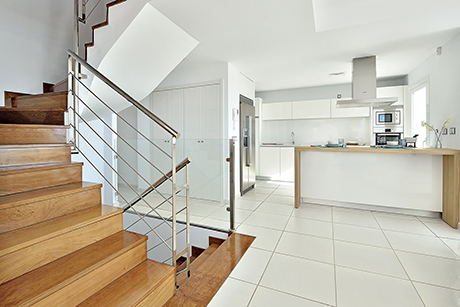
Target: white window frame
point(425, 82)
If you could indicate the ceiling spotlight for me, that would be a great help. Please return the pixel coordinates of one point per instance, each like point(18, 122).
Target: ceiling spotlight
point(439, 50)
point(185, 59)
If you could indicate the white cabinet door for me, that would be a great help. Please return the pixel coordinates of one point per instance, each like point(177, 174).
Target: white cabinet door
point(311, 109)
point(348, 112)
point(392, 91)
point(287, 164)
point(168, 106)
point(269, 160)
point(277, 111)
point(192, 113)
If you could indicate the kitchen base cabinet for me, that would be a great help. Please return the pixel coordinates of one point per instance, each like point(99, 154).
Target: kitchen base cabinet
point(277, 163)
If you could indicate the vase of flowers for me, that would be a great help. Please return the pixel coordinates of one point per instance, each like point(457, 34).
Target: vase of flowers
point(437, 133)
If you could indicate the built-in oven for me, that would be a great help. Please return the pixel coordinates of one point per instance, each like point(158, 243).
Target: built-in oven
point(384, 137)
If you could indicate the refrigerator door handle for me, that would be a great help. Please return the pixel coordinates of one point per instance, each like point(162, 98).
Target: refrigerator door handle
point(249, 147)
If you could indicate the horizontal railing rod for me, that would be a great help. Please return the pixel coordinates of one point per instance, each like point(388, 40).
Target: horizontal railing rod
point(159, 182)
point(121, 117)
point(113, 169)
point(122, 93)
point(137, 213)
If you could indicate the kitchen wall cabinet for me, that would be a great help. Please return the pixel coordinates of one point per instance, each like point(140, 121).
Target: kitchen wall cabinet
point(393, 91)
point(310, 109)
point(348, 112)
point(277, 163)
point(277, 111)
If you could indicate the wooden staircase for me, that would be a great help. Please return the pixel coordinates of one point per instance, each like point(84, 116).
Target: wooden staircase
point(59, 246)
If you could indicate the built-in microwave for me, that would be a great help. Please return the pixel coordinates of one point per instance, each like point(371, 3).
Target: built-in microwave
point(388, 118)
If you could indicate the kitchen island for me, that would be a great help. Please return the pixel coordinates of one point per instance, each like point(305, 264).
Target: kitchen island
point(410, 180)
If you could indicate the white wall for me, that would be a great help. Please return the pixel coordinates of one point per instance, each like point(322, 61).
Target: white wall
point(35, 36)
point(443, 72)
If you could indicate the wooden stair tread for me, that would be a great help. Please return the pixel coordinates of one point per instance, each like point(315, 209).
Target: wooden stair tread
point(5, 170)
point(57, 274)
point(19, 199)
point(181, 278)
point(133, 287)
point(27, 236)
point(33, 96)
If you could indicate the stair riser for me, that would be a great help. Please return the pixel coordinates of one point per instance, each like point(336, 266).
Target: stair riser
point(91, 283)
point(46, 102)
point(26, 181)
point(32, 155)
point(32, 117)
point(28, 214)
point(31, 257)
point(32, 135)
point(160, 295)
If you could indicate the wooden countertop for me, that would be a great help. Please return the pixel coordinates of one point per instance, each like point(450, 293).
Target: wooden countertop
point(418, 151)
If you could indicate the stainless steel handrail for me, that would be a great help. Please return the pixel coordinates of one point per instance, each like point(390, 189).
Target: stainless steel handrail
point(122, 93)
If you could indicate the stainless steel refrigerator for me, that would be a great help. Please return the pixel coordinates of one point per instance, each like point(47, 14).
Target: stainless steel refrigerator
point(247, 145)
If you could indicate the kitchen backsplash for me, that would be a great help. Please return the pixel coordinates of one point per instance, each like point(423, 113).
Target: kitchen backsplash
point(316, 131)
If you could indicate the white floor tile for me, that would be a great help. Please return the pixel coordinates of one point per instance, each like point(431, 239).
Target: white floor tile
point(265, 238)
point(223, 214)
point(315, 212)
point(284, 200)
point(354, 217)
point(221, 224)
point(362, 289)
point(433, 270)
point(434, 296)
point(454, 245)
point(233, 293)
point(252, 265)
point(253, 196)
point(362, 235)
point(368, 258)
point(267, 220)
point(247, 204)
point(273, 208)
point(309, 247)
point(419, 244)
point(202, 209)
point(310, 227)
point(443, 230)
point(403, 225)
point(284, 192)
point(264, 297)
point(301, 277)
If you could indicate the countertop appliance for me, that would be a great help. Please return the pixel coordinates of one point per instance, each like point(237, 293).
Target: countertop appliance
point(247, 145)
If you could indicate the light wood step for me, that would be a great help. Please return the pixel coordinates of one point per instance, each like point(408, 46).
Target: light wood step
point(21, 178)
point(28, 208)
point(28, 248)
point(182, 277)
point(32, 154)
point(149, 284)
point(71, 279)
point(32, 116)
point(46, 101)
point(32, 134)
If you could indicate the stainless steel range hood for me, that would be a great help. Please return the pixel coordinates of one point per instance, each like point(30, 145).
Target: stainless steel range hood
point(364, 86)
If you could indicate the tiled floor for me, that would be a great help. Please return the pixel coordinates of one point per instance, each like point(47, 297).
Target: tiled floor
point(327, 256)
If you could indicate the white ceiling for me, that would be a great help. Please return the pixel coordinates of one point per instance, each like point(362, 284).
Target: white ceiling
point(297, 43)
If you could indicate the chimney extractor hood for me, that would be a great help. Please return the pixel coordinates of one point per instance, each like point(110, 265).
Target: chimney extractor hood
point(364, 86)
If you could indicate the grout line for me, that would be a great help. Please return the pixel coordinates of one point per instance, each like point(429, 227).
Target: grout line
point(399, 260)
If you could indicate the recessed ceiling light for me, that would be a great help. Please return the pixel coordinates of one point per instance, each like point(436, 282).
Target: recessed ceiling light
point(185, 59)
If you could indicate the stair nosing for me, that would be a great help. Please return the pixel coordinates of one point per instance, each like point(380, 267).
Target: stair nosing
point(29, 168)
point(61, 231)
point(32, 96)
point(28, 126)
point(51, 195)
point(85, 271)
point(16, 109)
point(41, 145)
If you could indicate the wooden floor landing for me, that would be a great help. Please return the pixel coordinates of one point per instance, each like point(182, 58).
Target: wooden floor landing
point(204, 283)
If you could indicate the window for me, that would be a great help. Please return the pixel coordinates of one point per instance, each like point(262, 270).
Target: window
point(419, 111)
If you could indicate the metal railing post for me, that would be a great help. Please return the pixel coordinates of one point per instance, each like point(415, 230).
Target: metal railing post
point(187, 217)
point(231, 161)
point(174, 190)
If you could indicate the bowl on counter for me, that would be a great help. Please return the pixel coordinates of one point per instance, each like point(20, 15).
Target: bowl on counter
point(392, 143)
